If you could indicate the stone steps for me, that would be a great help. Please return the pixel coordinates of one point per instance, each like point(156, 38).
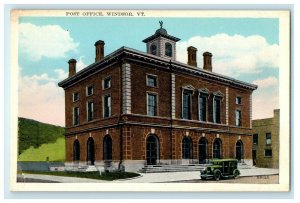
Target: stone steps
point(181, 168)
point(171, 168)
point(84, 168)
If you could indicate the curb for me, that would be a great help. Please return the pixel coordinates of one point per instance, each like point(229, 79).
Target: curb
point(270, 174)
point(124, 179)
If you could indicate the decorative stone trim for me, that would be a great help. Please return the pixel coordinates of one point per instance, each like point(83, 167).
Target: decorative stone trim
point(126, 91)
point(250, 108)
point(173, 96)
point(203, 90)
point(227, 106)
point(218, 94)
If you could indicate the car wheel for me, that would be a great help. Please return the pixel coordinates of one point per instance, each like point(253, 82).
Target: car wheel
point(236, 173)
point(203, 178)
point(217, 175)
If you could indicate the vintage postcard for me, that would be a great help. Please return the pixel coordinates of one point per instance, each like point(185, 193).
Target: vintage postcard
point(146, 100)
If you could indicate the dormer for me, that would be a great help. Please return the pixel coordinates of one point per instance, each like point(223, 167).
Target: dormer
point(162, 44)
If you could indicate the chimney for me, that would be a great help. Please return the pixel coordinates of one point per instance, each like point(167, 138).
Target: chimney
point(207, 61)
point(99, 50)
point(72, 67)
point(192, 56)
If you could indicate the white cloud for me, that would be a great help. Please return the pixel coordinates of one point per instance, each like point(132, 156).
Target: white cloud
point(233, 55)
point(80, 64)
point(266, 82)
point(61, 74)
point(265, 98)
point(41, 99)
point(50, 41)
point(43, 77)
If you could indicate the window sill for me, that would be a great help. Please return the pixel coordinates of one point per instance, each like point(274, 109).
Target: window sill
point(152, 86)
point(152, 116)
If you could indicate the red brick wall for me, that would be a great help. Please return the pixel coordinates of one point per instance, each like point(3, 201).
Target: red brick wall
point(182, 80)
point(98, 137)
point(134, 138)
point(96, 81)
point(134, 143)
point(244, 106)
point(140, 88)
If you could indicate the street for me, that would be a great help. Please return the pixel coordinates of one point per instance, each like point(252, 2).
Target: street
point(262, 179)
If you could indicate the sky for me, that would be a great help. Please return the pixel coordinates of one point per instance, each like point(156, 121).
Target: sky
point(243, 48)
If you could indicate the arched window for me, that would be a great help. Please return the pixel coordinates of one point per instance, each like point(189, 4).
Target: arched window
point(239, 150)
point(168, 49)
point(76, 151)
point(153, 49)
point(217, 149)
point(90, 151)
point(187, 148)
point(107, 148)
point(152, 150)
point(202, 150)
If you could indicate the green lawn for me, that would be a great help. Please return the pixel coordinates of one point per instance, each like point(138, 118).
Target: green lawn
point(33, 133)
point(93, 175)
point(54, 151)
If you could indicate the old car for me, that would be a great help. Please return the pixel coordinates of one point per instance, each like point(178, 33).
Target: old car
point(220, 168)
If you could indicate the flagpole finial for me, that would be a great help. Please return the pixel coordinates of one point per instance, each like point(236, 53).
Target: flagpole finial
point(161, 24)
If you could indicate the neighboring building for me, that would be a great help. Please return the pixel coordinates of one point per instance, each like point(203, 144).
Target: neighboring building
point(133, 108)
point(266, 141)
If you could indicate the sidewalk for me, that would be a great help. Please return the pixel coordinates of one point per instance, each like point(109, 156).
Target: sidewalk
point(191, 175)
point(150, 177)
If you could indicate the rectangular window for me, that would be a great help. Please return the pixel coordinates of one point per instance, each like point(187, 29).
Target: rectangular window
point(238, 100)
point(268, 138)
point(107, 83)
point(255, 139)
point(107, 106)
point(268, 152)
point(90, 111)
point(217, 110)
point(238, 118)
point(152, 105)
point(151, 80)
point(76, 116)
point(186, 104)
point(89, 90)
point(202, 107)
point(75, 96)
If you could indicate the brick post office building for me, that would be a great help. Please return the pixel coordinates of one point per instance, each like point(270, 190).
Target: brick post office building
point(132, 108)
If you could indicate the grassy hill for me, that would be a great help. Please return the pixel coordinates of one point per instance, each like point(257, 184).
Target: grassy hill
point(46, 152)
point(38, 138)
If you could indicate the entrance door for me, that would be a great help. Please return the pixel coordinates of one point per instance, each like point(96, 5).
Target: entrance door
point(217, 149)
point(107, 148)
point(239, 150)
point(202, 150)
point(90, 151)
point(254, 156)
point(152, 150)
point(76, 151)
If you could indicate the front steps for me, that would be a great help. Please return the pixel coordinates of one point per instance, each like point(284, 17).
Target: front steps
point(171, 168)
point(83, 168)
point(182, 168)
